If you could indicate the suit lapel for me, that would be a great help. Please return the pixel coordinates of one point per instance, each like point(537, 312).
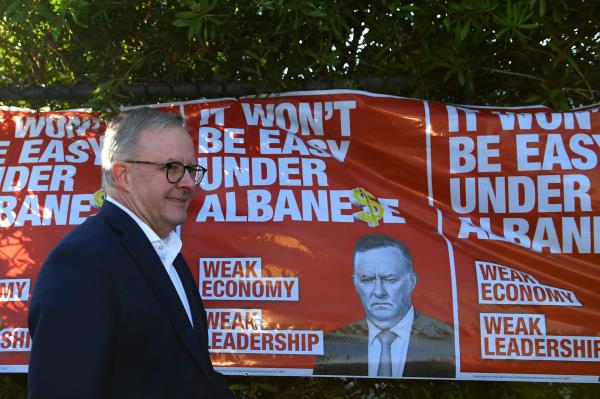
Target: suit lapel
point(414, 365)
point(361, 354)
point(145, 258)
point(198, 317)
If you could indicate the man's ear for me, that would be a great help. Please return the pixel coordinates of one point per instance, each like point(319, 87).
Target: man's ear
point(120, 175)
point(413, 280)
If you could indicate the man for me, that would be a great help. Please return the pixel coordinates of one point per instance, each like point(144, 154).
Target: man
point(394, 340)
point(115, 312)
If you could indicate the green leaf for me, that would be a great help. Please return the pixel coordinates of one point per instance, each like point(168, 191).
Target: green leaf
point(465, 30)
point(447, 75)
point(529, 26)
point(446, 22)
point(45, 12)
point(187, 15)
point(542, 8)
point(573, 63)
point(182, 22)
point(316, 13)
point(11, 7)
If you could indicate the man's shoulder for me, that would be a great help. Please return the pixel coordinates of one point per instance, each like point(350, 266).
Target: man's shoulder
point(427, 325)
point(98, 228)
point(90, 231)
point(91, 240)
point(358, 328)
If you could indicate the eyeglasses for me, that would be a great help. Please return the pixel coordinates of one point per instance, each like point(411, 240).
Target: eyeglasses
point(176, 170)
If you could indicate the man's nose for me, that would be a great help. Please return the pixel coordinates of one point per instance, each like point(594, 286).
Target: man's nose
point(187, 181)
point(379, 288)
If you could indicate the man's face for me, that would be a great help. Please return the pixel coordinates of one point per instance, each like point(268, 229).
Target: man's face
point(384, 283)
point(162, 205)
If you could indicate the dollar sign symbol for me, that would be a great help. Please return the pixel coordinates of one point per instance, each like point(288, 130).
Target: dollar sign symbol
point(372, 210)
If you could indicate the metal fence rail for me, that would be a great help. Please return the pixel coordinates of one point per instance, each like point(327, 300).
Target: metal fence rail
point(139, 92)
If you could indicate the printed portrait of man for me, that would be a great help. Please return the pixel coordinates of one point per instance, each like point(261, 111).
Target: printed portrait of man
point(394, 339)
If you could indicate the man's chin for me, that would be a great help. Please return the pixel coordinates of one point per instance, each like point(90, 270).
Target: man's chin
point(382, 315)
point(177, 220)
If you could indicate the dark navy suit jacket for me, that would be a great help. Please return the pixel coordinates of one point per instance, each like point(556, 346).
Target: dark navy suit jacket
point(107, 322)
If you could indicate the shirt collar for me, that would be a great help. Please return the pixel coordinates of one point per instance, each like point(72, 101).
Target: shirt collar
point(401, 329)
point(166, 249)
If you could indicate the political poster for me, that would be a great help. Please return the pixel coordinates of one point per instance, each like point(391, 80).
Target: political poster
point(345, 233)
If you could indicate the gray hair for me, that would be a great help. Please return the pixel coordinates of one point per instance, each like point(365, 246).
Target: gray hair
point(123, 132)
point(375, 241)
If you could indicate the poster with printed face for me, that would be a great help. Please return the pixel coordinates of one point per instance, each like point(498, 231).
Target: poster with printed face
point(343, 233)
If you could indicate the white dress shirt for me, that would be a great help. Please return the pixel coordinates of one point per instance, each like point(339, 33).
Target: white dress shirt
point(399, 346)
point(166, 250)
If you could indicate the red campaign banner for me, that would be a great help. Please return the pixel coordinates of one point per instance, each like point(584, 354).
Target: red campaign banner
point(351, 234)
point(49, 172)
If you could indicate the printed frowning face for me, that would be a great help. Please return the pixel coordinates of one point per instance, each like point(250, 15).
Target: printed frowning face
point(384, 281)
